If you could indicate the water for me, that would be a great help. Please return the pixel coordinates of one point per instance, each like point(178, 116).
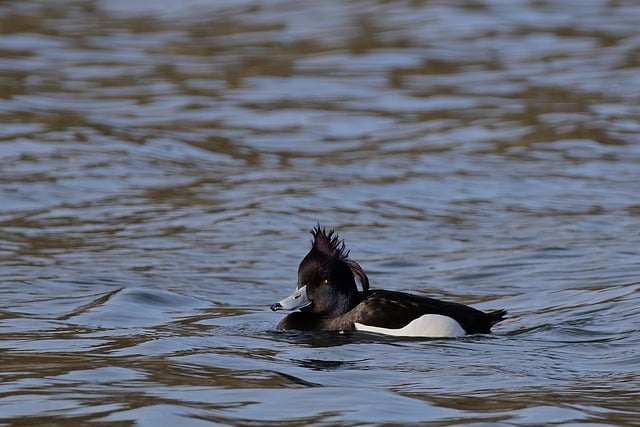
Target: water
point(162, 162)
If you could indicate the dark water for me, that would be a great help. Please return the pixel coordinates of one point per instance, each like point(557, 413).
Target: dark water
point(161, 163)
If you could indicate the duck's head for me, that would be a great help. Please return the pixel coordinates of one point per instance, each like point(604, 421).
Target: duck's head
point(326, 278)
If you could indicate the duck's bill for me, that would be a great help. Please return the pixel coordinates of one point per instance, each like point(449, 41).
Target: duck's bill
point(297, 299)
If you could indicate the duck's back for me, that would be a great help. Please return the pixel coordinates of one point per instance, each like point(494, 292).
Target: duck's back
point(396, 310)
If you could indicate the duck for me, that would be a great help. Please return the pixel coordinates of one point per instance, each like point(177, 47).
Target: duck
point(327, 298)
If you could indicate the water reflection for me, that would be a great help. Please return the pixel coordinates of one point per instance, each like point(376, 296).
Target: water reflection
point(161, 163)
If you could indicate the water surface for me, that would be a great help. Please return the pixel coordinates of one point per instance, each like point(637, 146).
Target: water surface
point(161, 164)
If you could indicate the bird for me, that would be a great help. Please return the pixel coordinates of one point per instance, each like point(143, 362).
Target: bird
point(327, 298)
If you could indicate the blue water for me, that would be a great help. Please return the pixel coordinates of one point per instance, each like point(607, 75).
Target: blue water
point(161, 164)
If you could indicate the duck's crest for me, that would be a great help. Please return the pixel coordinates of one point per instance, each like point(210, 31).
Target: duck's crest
point(329, 243)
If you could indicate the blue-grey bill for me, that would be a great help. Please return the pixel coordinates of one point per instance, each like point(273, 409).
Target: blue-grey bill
point(297, 299)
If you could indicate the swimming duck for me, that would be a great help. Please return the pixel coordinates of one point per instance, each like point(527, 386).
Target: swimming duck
point(328, 299)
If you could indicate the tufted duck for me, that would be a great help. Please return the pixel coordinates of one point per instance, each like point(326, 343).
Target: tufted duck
point(328, 299)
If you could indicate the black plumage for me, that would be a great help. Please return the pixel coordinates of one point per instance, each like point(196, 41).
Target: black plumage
point(332, 300)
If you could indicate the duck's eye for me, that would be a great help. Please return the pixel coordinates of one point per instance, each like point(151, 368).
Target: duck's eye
point(324, 282)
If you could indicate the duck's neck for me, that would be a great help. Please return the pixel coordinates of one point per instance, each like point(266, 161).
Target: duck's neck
point(345, 304)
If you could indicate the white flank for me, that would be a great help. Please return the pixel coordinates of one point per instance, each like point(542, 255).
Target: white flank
point(427, 325)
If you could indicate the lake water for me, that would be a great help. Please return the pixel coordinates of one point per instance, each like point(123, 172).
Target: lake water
point(161, 164)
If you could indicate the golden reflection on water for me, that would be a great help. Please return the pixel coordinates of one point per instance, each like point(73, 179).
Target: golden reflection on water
point(161, 163)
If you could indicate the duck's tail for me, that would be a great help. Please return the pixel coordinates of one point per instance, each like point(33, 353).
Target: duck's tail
point(496, 316)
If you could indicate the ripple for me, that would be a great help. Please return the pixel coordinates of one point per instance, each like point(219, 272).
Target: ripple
point(161, 164)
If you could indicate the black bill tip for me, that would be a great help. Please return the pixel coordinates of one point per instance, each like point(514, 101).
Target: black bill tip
point(275, 307)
